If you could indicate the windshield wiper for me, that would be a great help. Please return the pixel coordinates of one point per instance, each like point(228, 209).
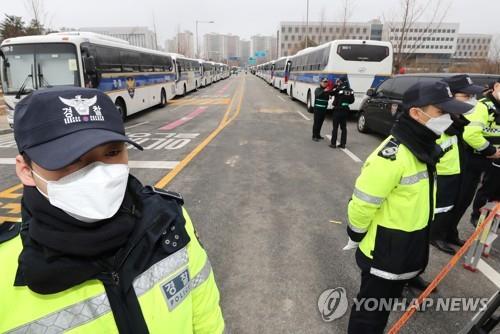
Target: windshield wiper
point(43, 81)
point(21, 90)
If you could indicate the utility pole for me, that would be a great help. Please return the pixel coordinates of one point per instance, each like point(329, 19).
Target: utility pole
point(307, 23)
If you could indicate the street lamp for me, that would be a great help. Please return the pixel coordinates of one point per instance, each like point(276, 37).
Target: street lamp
point(197, 42)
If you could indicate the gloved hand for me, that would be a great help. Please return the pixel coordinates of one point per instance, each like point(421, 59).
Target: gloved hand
point(351, 245)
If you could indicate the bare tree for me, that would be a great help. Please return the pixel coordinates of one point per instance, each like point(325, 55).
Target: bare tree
point(412, 12)
point(38, 22)
point(494, 57)
point(346, 12)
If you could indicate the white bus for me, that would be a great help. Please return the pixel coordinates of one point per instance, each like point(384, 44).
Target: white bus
point(365, 64)
point(208, 73)
point(188, 74)
point(281, 73)
point(268, 71)
point(134, 78)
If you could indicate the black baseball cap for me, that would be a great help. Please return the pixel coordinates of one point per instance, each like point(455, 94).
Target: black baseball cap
point(325, 79)
point(56, 126)
point(462, 83)
point(436, 93)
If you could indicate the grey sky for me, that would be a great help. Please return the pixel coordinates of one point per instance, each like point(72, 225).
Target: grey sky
point(243, 18)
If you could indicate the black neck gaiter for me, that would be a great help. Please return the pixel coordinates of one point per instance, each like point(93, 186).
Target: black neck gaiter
point(420, 140)
point(53, 228)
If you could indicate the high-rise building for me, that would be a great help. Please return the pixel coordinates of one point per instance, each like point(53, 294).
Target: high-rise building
point(213, 47)
point(171, 45)
point(245, 52)
point(231, 47)
point(264, 45)
point(138, 36)
point(182, 43)
point(473, 46)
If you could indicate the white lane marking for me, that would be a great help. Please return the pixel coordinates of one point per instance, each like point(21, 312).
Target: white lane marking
point(346, 151)
point(131, 163)
point(303, 116)
point(135, 125)
point(489, 272)
point(279, 97)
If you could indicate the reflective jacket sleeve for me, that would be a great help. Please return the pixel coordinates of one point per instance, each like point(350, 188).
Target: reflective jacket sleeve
point(207, 314)
point(379, 176)
point(473, 132)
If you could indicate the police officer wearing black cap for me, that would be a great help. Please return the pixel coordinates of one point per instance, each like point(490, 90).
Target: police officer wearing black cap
point(393, 202)
point(96, 252)
point(443, 229)
point(321, 96)
point(343, 97)
point(482, 136)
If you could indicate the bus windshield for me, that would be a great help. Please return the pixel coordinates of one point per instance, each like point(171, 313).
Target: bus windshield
point(363, 52)
point(39, 65)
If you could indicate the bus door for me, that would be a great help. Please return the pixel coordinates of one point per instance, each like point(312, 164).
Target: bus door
point(287, 70)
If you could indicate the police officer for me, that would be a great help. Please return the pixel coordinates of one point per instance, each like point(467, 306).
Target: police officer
point(482, 136)
point(97, 251)
point(393, 201)
point(321, 96)
point(343, 97)
point(449, 168)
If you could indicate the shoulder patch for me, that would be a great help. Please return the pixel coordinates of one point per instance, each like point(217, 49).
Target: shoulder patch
point(9, 231)
point(166, 193)
point(390, 149)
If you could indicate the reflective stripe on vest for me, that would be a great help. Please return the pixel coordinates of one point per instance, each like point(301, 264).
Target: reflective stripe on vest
point(443, 209)
point(391, 276)
point(367, 198)
point(412, 179)
point(69, 317)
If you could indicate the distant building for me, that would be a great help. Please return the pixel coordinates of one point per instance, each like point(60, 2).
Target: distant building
point(231, 49)
point(292, 34)
point(185, 43)
point(171, 45)
point(266, 44)
point(213, 47)
point(138, 36)
point(245, 52)
point(473, 46)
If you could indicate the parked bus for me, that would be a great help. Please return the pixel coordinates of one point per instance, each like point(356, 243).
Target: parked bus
point(188, 74)
point(281, 73)
point(134, 78)
point(268, 72)
point(208, 73)
point(365, 64)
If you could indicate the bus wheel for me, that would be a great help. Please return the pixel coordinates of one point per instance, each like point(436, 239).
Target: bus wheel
point(310, 108)
point(163, 98)
point(196, 86)
point(122, 109)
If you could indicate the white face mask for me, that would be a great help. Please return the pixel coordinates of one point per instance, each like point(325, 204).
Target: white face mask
point(438, 124)
point(90, 194)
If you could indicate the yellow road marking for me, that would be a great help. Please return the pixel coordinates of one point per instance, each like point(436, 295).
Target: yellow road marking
point(184, 162)
point(13, 207)
point(201, 101)
point(11, 192)
point(4, 219)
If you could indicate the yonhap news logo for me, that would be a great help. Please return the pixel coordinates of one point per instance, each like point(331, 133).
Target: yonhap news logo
point(332, 304)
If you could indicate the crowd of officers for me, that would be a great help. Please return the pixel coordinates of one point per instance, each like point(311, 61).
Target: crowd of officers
point(416, 186)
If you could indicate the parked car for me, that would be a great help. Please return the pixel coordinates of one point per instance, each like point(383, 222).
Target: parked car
point(382, 105)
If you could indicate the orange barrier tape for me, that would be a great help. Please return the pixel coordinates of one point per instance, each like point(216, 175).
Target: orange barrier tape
point(446, 269)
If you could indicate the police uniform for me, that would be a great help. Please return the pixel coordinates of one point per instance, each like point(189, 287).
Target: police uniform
point(343, 97)
point(449, 169)
point(320, 104)
point(140, 270)
point(482, 136)
point(392, 206)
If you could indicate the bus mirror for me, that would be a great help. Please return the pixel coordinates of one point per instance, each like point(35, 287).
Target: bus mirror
point(370, 92)
point(89, 63)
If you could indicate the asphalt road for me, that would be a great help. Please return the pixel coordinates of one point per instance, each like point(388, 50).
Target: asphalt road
point(262, 196)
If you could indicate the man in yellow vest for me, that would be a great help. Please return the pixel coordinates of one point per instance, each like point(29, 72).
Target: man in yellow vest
point(482, 136)
point(393, 202)
point(96, 252)
point(443, 228)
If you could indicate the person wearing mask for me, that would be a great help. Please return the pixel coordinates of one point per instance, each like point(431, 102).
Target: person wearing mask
point(449, 168)
point(96, 251)
point(343, 97)
point(321, 96)
point(393, 201)
point(482, 136)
